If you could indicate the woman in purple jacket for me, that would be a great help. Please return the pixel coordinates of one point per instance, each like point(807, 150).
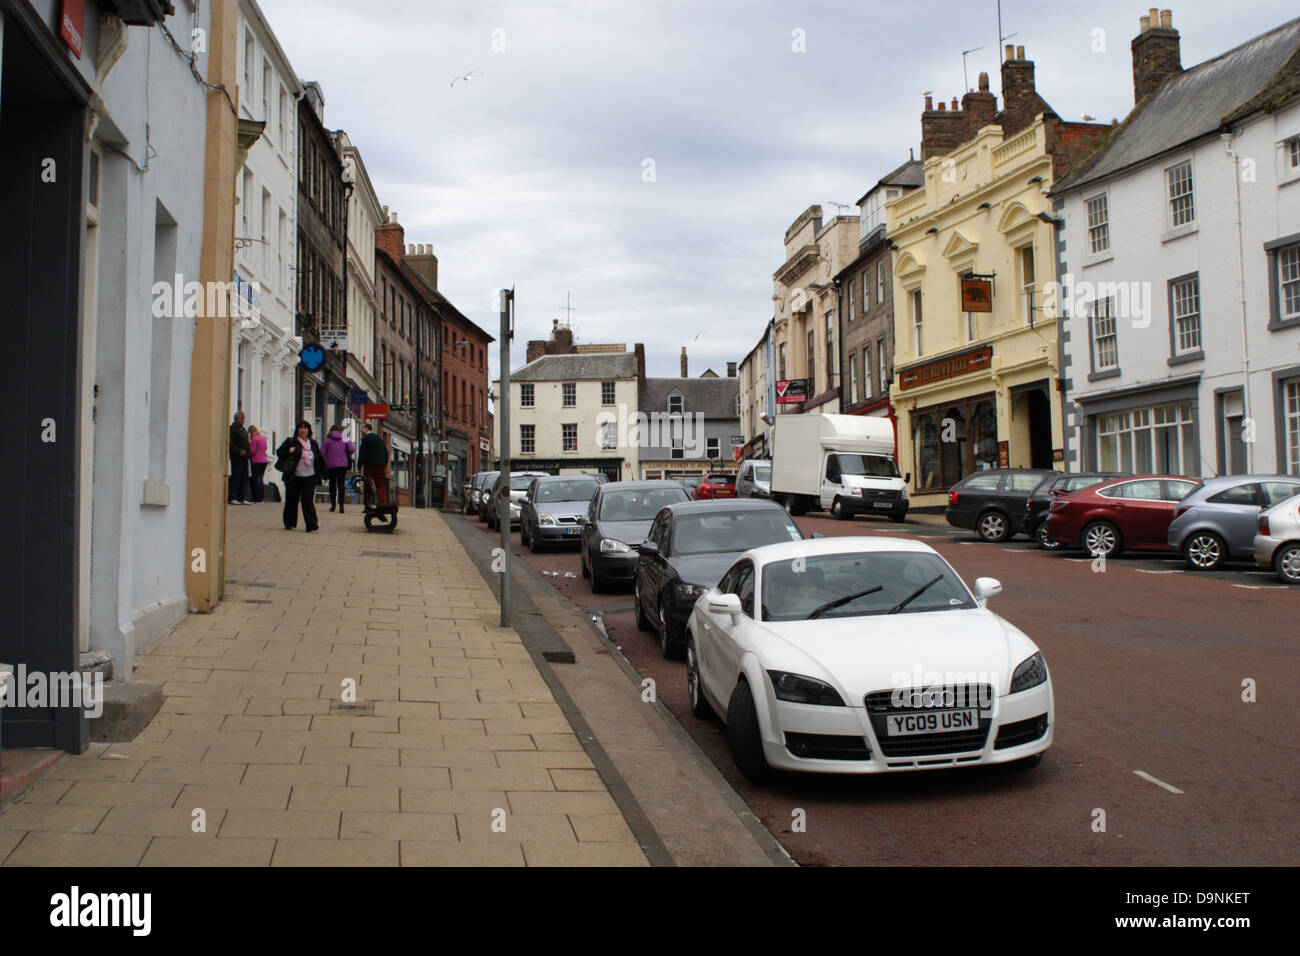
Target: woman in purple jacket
point(338, 455)
point(257, 446)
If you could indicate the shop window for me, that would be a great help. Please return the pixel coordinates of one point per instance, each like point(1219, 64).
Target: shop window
point(952, 441)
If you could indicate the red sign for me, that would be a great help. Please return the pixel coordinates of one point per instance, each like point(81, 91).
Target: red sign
point(72, 19)
point(976, 295)
point(1004, 455)
point(374, 411)
point(946, 368)
point(792, 391)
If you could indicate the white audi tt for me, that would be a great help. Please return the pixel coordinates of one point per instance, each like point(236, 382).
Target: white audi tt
point(863, 655)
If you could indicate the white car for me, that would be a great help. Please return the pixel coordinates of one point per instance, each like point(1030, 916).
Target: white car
point(1277, 545)
point(863, 655)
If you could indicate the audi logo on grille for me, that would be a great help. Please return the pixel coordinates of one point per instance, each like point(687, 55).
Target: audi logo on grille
point(934, 697)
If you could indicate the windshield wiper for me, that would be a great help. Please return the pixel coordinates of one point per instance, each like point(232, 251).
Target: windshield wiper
point(915, 594)
point(839, 602)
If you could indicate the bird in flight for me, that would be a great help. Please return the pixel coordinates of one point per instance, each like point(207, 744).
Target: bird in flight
point(700, 336)
point(467, 77)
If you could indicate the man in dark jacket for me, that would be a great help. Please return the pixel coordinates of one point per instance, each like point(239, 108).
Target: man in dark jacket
point(240, 455)
point(372, 459)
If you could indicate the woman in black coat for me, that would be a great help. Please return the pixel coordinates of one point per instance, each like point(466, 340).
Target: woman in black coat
point(302, 473)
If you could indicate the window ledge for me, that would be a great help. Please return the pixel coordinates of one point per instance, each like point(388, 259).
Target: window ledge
point(1098, 259)
point(156, 494)
point(1109, 373)
point(1180, 231)
point(1197, 356)
point(1275, 324)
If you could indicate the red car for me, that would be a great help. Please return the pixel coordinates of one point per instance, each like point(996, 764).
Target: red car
point(1126, 514)
point(716, 486)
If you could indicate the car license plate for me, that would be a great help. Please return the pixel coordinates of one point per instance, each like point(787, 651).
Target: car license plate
point(570, 530)
point(939, 722)
point(882, 504)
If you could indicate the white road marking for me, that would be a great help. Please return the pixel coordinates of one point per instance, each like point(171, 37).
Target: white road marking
point(1159, 783)
point(1150, 571)
point(1261, 587)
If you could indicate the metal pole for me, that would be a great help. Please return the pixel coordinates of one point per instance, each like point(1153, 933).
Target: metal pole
point(503, 500)
point(421, 501)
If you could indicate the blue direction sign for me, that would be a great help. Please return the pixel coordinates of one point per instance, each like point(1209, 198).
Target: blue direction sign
point(312, 357)
point(359, 398)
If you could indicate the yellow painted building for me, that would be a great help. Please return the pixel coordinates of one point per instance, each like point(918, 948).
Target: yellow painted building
point(975, 390)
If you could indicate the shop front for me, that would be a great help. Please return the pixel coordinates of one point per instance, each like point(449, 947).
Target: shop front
point(400, 467)
point(1143, 430)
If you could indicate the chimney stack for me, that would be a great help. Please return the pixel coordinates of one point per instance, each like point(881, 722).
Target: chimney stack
point(981, 109)
point(684, 375)
point(1020, 99)
point(1157, 55)
point(639, 351)
point(942, 130)
point(731, 370)
point(424, 263)
point(391, 238)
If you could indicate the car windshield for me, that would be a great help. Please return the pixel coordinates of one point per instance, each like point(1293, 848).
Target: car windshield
point(638, 505)
point(762, 472)
point(722, 479)
point(860, 585)
point(691, 481)
point(732, 531)
point(870, 466)
point(521, 482)
point(580, 489)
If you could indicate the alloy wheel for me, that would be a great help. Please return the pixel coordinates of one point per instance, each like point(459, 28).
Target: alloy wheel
point(993, 527)
point(1205, 551)
point(1045, 540)
point(1288, 564)
point(1100, 540)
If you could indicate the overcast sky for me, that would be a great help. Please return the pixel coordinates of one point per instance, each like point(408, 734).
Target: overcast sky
point(533, 173)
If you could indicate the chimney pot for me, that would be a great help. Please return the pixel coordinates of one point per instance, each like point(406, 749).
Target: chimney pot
point(684, 375)
point(392, 218)
point(1020, 53)
point(1011, 52)
point(929, 102)
point(984, 82)
point(1144, 24)
point(954, 104)
point(942, 105)
point(1166, 18)
point(731, 370)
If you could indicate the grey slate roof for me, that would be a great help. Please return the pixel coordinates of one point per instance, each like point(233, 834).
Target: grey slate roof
point(1193, 104)
point(569, 368)
point(911, 173)
point(712, 397)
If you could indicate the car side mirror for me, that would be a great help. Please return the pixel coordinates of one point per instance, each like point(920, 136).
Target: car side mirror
point(582, 519)
point(728, 604)
point(986, 588)
point(647, 548)
point(907, 478)
point(818, 534)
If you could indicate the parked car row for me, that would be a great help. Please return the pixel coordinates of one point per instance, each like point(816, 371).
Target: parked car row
point(771, 626)
point(1209, 521)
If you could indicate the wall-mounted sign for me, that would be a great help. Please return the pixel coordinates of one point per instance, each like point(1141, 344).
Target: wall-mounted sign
point(1058, 454)
point(336, 340)
point(792, 391)
point(370, 411)
point(971, 361)
point(359, 398)
point(312, 357)
point(1004, 455)
point(976, 294)
point(484, 444)
point(72, 20)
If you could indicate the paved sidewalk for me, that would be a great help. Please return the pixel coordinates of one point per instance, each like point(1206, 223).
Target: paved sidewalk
point(454, 736)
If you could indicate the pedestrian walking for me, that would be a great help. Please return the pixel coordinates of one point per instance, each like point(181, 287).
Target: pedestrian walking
point(239, 459)
point(373, 460)
point(257, 456)
point(302, 463)
point(338, 458)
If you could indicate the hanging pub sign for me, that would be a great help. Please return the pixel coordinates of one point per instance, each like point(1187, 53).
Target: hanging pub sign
point(976, 293)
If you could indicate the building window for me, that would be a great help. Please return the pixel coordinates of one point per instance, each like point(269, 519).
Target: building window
point(867, 390)
point(853, 380)
point(284, 120)
point(866, 289)
point(950, 442)
point(526, 395)
point(1098, 224)
point(849, 316)
point(1185, 310)
point(1155, 440)
point(916, 323)
point(781, 361)
point(266, 92)
point(570, 392)
point(880, 359)
point(830, 348)
point(812, 362)
point(248, 65)
point(675, 403)
point(569, 437)
point(1288, 281)
point(1105, 343)
point(1293, 152)
point(1291, 425)
point(1182, 205)
point(608, 436)
point(607, 393)
point(880, 281)
point(713, 448)
point(527, 439)
point(1026, 257)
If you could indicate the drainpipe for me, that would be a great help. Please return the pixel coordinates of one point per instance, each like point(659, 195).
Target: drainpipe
point(1247, 420)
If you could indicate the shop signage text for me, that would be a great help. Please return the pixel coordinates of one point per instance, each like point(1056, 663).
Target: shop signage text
point(971, 361)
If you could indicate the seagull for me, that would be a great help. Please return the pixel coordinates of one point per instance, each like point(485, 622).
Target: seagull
point(1087, 118)
point(467, 77)
point(700, 336)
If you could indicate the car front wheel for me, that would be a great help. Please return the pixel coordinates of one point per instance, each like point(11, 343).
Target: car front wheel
point(993, 526)
point(838, 511)
point(694, 692)
point(1287, 563)
point(1045, 540)
point(667, 641)
point(744, 735)
point(1205, 551)
point(1101, 539)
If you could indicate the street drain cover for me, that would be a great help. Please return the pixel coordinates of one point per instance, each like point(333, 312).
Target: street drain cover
point(384, 554)
point(258, 601)
point(352, 707)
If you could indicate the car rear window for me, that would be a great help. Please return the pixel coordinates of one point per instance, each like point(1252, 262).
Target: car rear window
point(722, 479)
point(1240, 495)
point(981, 482)
point(1022, 481)
point(1276, 491)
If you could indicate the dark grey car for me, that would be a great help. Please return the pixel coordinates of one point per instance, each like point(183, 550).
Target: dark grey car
point(993, 503)
point(486, 483)
point(1217, 521)
point(617, 520)
point(551, 508)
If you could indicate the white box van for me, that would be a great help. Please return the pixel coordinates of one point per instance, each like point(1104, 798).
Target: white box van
point(843, 464)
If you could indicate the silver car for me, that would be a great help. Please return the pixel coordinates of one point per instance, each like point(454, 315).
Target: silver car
point(754, 479)
point(1277, 539)
point(550, 509)
point(1216, 522)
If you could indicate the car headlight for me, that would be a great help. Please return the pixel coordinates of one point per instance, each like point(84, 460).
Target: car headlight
point(608, 545)
point(688, 592)
point(798, 689)
point(545, 518)
point(1030, 673)
point(856, 491)
point(904, 494)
